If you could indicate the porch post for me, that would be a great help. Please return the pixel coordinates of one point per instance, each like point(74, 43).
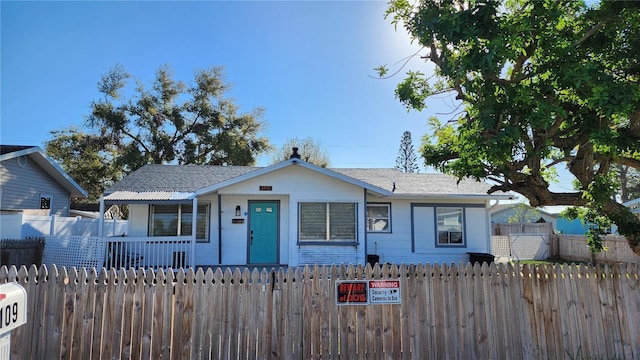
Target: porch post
point(194, 235)
point(101, 218)
point(219, 229)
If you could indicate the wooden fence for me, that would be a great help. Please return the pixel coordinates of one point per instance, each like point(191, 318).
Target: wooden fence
point(574, 248)
point(446, 312)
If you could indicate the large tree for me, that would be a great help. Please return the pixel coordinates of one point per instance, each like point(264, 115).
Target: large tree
point(88, 159)
point(166, 121)
point(310, 150)
point(406, 161)
point(540, 83)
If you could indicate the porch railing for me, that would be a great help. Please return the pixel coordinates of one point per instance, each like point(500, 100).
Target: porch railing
point(119, 252)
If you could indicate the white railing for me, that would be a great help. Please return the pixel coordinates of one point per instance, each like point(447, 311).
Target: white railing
point(156, 252)
point(119, 252)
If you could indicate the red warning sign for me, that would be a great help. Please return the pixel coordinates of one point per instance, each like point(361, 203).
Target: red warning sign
point(352, 292)
point(368, 292)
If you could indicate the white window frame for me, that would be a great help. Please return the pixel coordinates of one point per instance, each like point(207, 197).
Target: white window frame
point(446, 229)
point(371, 220)
point(328, 240)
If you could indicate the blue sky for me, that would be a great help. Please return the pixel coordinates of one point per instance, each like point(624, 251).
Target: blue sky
point(308, 64)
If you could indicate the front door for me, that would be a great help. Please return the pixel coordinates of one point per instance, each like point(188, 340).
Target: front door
point(263, 232)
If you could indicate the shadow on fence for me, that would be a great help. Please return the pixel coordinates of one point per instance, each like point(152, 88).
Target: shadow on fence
point(497, 311)
point(21, 252)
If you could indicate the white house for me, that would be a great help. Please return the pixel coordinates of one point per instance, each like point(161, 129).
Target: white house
point(295, 213)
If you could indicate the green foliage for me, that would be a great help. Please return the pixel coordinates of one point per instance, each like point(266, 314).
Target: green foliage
point(407, 158)
point(90, 160)
point(540, 84)
point(597, 225)
point(523, 214)
point(309, 150)
point(172, 122)
point(166, 121)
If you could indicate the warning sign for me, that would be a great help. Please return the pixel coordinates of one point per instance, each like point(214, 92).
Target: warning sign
point(351, 292)
point(368, 292)
point(384, 291)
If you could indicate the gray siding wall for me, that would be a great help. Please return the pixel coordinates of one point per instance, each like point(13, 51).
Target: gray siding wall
point(23, 185)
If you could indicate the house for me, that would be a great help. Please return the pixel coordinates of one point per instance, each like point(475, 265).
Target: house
point(295, 213)
point(32, 182)
point(521, 212)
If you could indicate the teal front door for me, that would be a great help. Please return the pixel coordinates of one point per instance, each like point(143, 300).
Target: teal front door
point(263, 232)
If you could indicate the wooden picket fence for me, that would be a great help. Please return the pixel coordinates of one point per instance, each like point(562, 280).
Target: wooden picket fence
point(501, 311)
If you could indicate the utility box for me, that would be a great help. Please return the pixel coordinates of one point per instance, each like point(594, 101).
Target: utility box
point(13, 313)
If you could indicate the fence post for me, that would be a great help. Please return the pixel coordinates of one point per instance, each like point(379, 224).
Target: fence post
point(194, 232)
point(101, 218)
point(52, 227)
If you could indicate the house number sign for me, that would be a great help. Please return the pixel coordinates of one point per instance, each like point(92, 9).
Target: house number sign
point(266, 188)
point(13, 307)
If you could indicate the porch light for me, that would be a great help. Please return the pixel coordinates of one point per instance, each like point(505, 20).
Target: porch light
point(237, 210)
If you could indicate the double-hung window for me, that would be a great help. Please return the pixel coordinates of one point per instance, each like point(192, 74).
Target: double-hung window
point(379, 218)
point(177, 220)
point(450, 225)
point(334, 222)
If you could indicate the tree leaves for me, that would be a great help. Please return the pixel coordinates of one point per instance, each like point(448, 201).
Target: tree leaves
point(542, 82)
point(166, 121)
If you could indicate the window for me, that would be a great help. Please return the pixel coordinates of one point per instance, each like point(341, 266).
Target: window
point(327, 222)
point(45, 202)
point(449, 226)
point(379, 217)
point(176, 220)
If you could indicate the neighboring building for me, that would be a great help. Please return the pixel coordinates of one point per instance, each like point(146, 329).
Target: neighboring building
point(503, 213)
point(634, 206)
point(30, 181)
point(295, 213)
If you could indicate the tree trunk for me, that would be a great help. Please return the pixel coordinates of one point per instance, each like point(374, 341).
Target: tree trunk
point(628, 224)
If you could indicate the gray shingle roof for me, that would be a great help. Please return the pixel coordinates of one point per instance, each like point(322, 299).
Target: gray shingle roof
point(416, 183)
point(181, 178)
point(190, 178)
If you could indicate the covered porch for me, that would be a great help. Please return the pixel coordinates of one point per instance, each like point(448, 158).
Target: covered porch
point(169, 239)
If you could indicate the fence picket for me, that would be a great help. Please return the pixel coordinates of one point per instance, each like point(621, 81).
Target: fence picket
point(148, 288)
point(630, 295)
point(128, 313)
point(86, 321)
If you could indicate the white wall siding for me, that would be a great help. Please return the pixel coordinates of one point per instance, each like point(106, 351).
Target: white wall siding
point(477, 230)
point(235, 240)
point(138, 220)
point(412, 220)
point(293, 185)
point(207, 252)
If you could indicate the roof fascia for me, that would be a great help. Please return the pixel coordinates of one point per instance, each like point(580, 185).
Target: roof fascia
point(19, 153)
point(292, 162)
point(631, 202)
